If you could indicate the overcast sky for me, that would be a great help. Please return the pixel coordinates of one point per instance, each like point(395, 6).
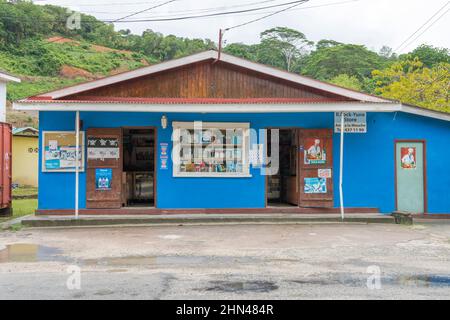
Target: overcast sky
point(373, 23)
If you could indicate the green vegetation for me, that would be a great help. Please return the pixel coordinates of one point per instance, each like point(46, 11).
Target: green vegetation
point(16, 227)
point(35, 85)
point(410, 82)
point(25, 191)
point(36, 45)
point(22, 207)
point(346, 81)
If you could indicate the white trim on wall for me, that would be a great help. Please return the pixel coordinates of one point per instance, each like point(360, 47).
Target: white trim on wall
point(231, 108)
point(209, 108)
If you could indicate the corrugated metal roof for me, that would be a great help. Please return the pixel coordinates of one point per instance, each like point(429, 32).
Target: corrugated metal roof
point(185, 100)
point(23, 131)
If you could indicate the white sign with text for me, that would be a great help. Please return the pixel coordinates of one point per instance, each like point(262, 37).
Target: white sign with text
point(354, 122)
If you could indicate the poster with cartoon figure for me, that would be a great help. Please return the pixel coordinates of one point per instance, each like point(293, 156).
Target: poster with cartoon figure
point(314, 152)
point(103, 179)
point(315, 185)
point(408, 158)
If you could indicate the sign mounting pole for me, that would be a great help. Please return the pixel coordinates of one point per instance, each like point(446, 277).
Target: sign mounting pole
point(341, 168)
point(77, 169)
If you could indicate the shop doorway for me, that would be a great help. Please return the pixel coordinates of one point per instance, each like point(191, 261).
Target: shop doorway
point(282, 182)
point(305, 168)
point(138, 157)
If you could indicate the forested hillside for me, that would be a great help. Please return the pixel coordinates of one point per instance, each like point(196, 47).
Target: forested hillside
point(36, 45)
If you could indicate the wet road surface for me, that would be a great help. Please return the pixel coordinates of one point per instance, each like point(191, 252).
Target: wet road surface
point(224, 262)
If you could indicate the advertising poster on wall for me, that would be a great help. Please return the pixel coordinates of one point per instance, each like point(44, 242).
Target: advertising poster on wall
point(60, 151)
point(163, 156)
point(103, 179)
point(408, 157)
point(314, 152)
point(315, 185)
point(324, 173)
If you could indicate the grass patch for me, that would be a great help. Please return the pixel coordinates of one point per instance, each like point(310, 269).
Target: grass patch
point(16, 227)
point(37, 85)
point(25, 191)
point(22, 208)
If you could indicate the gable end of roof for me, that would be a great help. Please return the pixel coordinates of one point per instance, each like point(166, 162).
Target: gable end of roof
point(213, 56)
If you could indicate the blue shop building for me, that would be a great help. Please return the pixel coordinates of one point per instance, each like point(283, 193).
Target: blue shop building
point(215, 133)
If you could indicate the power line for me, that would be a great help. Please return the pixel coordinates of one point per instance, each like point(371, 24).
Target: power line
point(173, 13)
point(240, 13)
point(141, 11)
point(267, 16)
point(214, 14)
point(423, 25)
point(198, 10)
point(97, 4)
point(127, 16)
point(432, 24)
point(120, 20)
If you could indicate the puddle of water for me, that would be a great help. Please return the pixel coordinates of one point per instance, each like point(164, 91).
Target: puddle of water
point(26, 252)
point(242, 286)
point(402, 280)
point(422, 280)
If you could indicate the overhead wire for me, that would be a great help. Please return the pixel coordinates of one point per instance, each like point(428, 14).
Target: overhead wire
point(420, 28)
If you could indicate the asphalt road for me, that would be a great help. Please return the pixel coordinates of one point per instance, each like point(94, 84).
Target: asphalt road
point(320, 261)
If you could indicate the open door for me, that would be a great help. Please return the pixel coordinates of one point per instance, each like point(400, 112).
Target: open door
point(104, 168)
point(315, 168)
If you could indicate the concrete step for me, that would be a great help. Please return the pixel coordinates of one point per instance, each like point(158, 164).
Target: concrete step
point(182, 219)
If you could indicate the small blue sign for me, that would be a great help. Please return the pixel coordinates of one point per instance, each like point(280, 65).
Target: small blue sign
point(103, 179)
point(315, 185)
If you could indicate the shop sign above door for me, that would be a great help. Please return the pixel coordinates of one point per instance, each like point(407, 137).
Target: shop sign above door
point(103, 148)
point(354, 122)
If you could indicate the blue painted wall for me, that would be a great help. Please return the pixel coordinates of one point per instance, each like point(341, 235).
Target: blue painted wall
point(368, 161)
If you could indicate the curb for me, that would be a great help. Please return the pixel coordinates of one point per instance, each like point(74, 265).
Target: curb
point(150, 221)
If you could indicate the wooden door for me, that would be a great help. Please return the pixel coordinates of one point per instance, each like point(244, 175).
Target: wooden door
point(292, 183)
point(316, 167)
point(104, 168)
point(410, 176)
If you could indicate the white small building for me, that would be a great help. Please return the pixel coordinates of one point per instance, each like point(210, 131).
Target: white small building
point(4, 78)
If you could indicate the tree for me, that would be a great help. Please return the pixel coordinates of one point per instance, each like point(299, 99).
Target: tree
point(326, 44)
point(328, 62)
point(282, 44)
point(387, 52)
point(242, 50)
point(410, 82)
point(430, 56)
point(347, 81)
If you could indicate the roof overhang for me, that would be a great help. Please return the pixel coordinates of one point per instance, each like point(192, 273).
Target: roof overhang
point(426, 112)
point(7, 78)
point(208, 108)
